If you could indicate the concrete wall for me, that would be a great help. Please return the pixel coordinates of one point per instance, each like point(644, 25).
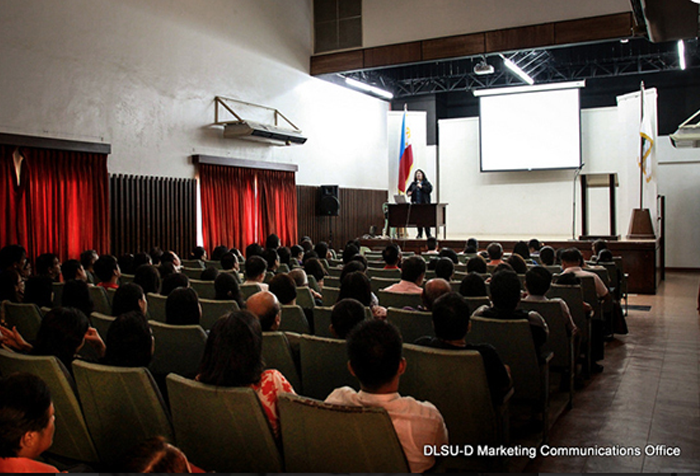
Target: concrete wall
point(142, 75)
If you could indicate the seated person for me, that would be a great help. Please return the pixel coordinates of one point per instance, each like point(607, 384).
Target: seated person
point(314, 267)
point(11, 286)
point(547, 256)
point(449, 253)
point(126, 263)
point(72, 269)
point(472, 247)
point(88, 259)
point(346, 314)
point(27, 422)
point(76, 293)
point(13, 257)
point(356, 285)
point(451, 323)
point(538, 280)
point(199, 253)
point(227, 289)
point(171, 257)
point(155, 455)
point(434, 288)
point(273, 260)
point(148, 277)
point(571, 262)
point(296, 254)
point(233, 358)
point(285, 255)
point(272, 242)
point(107, 272)
point(129, 341)
point(182, 308)
point(209, 274)
point(473, 285)
point(321, 249)
point(412, 275)
point(605, 256)
point(140, 259)
point(598, 246)
point(477, 264)
point(432, 245)
point(522, 250)
point(229, 261)
point(299, 276)
point(517, 263)
point(495, 252)
point(444, 268)
point(374, 351)
point(48, 265)
point(265, 306)
point(129, 297)
point(63, 332)
point(39, 290)
point(505, 296)
point(391, 256)
point(284, 288)
point(534, 246)
point(255, 268)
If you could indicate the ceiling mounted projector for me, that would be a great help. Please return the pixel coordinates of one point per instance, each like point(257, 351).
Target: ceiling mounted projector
point(483, 68)
point(687, 135)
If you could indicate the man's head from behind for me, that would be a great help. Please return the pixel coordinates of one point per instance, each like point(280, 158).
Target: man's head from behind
point(505, 290)
point(413, 269)
point(547, 255)
point(433, 289)
point(451, 317)
point(267, 308)
point(571, 258)
point(346, 314)
point(431, 243)
point(26, 416)
point(374, 353)
point(391, 254)
point(495, 251)
point(538, 280)
point(255, 268)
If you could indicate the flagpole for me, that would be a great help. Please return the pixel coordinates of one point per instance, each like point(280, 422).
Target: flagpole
point(641, 149)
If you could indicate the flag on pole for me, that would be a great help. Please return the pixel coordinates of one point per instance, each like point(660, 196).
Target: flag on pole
point(405, 155)
point(647, 137)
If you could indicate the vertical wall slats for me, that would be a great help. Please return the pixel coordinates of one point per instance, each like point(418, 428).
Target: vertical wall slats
point(152, 211)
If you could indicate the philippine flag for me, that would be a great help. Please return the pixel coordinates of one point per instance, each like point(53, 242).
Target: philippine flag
point(405, 155)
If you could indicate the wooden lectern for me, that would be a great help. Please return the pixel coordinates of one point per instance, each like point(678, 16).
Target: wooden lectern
point(431, 215)
point(593, 181)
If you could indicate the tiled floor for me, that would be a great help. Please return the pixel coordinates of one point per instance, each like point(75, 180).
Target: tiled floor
point(648, 394)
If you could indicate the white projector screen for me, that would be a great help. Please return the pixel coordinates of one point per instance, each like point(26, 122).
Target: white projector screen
point(536, 130)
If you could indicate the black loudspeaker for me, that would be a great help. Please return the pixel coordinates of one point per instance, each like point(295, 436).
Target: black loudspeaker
point(328, 203)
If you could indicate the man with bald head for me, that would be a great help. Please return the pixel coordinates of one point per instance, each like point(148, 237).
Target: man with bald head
point(433, 289)
point(267, 308)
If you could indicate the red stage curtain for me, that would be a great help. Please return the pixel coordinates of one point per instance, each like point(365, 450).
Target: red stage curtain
point(278, 212)
point(61, 205)
point(241, 206)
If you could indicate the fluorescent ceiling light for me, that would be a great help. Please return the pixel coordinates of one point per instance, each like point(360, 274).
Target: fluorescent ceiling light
point(530, 89)
point(370, 89)
point(681, 52)
point(518, 72)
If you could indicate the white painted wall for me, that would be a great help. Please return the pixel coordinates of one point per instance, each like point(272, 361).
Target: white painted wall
point(142, 75)
point(413, 20)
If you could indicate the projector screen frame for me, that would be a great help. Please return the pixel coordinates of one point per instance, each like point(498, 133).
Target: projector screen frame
point(525, 90)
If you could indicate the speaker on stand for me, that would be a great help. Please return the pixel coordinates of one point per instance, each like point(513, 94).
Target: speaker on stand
point(328, 205)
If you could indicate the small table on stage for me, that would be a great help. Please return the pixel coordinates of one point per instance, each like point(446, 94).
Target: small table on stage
point(431, 215)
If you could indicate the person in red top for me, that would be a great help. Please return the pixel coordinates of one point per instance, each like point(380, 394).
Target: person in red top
point(391, 256)
point(107, 272)
point(27, 422)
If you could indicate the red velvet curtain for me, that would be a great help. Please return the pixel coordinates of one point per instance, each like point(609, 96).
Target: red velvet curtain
point(278, 211)
point(241, 206)
point(61, 204)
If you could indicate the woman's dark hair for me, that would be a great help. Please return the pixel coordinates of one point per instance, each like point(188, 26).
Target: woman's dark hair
point(24, 406)
point(129, 341)
point(166, 269)
point(218, 252)
point(38, 290)
point(356, 285)
point(477, 264)
point(198, 253)
point(517, 262)
point(156, 252)
point(233, 354)
point(69, 269)
point(272, 241)
point(209, 274)
point(350, 251)
point(321, 249)
point(76, 293)
point(444, 268)
point(127, 298)
point(141, 259)
point(182, 307)
point(227, 289)
point(346, 314)
point(253, 249)
point(473, 285)
point(173, 281)
point(155, 455)
point(449, 253)
point(284, 288)
point(228, 261)
point(522, 249)
point(126, 263)
point(148, 277)
point(351, 267)
point(296, 251)
point(315, 268)
point(104, 267)
point(415, 175)
point(61, 334)
point(9, 280)
point(547, 255)
point(605, 256)
point(284, 254)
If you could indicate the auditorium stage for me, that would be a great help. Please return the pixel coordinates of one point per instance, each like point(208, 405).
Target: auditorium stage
point(640, 257)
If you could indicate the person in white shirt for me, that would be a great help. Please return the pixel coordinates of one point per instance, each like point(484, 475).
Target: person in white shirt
point(374, 350)
point(412, 275)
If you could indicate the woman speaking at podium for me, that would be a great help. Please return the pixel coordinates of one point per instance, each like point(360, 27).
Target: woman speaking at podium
point(419, 191)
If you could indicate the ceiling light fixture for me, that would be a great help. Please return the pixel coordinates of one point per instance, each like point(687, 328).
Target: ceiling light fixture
point(482, 67)
point(370, 89)
point(681, 53)
point(517, 71)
